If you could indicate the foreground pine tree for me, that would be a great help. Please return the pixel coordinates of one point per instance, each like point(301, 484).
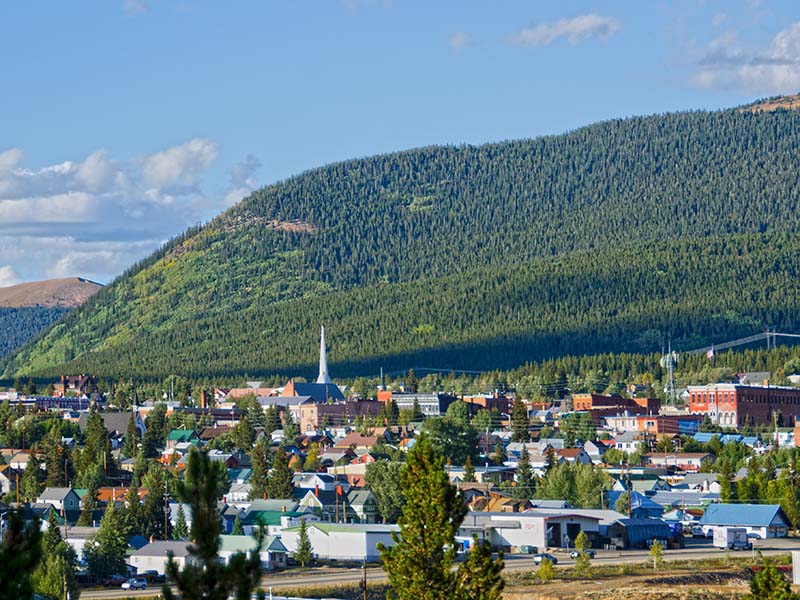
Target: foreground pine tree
point(204, 577)
point(419, 566)
point(479, 578)
point(20, 551)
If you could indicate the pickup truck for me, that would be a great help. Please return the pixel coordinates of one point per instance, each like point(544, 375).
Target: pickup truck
point(153, 577)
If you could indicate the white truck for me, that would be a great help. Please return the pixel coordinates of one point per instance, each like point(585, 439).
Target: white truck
point(731, 538)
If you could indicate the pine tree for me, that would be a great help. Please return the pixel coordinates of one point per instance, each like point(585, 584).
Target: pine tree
point(621, 505)
point(259, 464)
point(244, 434)
point(311, 463)
point(204, 575)
point(181, 529)
point(272, 421)
point(770, 584)
point(20, 552)
point(302, 553)
point(107, 552)
point(479, 578)
point(290, 430)
point(526, 481)
point(57, 566)
point(280, 483)
point(31, 484)
point(88, 504)
point(237, 526)
point(469, 471)
point(499, 456)
point(419, 565)
point(519, 421)
point(131, 445)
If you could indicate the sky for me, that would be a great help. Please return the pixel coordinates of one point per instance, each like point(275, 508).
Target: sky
point(123, 122)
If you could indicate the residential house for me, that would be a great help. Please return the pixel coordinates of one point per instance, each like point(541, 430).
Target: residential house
point(153, 556)
point(61, 498)
point(273, 552)
point(575, 455)
point(181, 436)
point(684, 461)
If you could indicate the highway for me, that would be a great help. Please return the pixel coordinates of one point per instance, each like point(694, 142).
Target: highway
point(695, 549)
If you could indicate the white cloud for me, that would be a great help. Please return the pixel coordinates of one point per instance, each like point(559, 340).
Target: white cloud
point(71, 207)
point(134, 7)
point(8, 276)
point(773, 69)
point(458, 40)
point(178, 167)
point(243, 171)
point(575, 30)
point(242, 181)
point(719, 19)
point(114, 211)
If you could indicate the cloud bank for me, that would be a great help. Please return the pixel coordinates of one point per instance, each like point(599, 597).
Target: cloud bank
point(574, 30)
point(96, 216)
point(726, 64)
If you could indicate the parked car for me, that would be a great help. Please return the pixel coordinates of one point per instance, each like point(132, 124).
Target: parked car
point(137, 583)
point(153, 576)
point(576, 554)
point(114, 580)
point(538, 558)
point(697, 531)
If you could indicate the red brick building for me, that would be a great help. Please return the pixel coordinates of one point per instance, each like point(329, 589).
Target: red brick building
point(732, 405)
point(615, 404)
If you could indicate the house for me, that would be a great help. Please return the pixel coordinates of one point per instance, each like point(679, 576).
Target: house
point(337, 541)
point(153, 556)
point(595, 450)
point(180, 436)
point(685, 461)
point(764, 520)
point(61, 498)
point(702, 482)
point(627, 442)
point(273, 552)
point(355, 506)
point(575, 455)
point(8, 479)
point(115, 423)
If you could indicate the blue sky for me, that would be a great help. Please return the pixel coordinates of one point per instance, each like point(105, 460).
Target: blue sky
point(122, 122)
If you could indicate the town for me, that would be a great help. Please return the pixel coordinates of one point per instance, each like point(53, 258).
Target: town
point(318, 469)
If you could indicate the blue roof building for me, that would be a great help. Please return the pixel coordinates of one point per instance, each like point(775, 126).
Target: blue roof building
point(763, 520)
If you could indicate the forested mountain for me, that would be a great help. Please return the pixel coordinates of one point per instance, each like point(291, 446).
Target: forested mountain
point(18, 325)
point(28, 308)
point(602, 239)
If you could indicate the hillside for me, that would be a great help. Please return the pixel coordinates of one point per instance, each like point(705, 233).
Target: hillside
point(600, 239)
point(68, 292)
point(29, 308)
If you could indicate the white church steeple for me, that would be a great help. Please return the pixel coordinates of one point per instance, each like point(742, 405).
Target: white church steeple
point(323, 360)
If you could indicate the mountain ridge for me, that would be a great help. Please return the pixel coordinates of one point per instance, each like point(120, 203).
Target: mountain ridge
point(432, 218)
point(66, 292)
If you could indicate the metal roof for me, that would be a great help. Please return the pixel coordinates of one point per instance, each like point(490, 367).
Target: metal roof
point(753, 515)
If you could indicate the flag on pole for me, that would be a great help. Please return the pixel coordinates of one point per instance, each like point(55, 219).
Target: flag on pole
point(710, 353)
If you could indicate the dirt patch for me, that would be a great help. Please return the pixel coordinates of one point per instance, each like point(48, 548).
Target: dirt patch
point(773, 104)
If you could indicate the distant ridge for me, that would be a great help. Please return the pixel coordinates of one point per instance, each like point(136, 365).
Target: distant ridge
point(69, 292)
point(791, 102)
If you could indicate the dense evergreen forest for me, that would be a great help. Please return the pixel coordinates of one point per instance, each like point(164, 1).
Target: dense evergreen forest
point(18, 325)
point(608, 238)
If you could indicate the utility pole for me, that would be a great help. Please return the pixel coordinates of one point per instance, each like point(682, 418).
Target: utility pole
point(364, 578)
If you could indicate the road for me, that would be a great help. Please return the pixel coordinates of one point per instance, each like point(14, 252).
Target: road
point(695, 549)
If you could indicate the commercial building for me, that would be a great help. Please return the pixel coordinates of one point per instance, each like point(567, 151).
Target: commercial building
point(732, 405)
